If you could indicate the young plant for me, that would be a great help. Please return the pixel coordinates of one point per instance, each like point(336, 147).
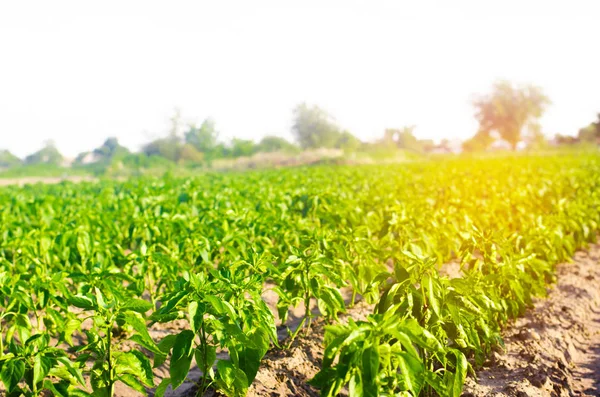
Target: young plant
point(307, 275)
point(111, 363)
point(225, 311)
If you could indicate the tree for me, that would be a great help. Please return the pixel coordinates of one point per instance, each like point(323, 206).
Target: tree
point(403, 138)
point(49, 154)
point(534, 137)
point(271, 143)
point(508, 109)
point(203, 138)
point(189, 154)
point(7, 159)
point(565, 139)
point(242, 147)
point(111, 149)
point(314, 128)
point(591, 133)
point(478, 143)
point(168, 148)
point(347, 142)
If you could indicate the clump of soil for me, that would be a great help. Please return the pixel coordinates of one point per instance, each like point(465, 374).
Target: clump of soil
point(555, 349)
point(287, 372)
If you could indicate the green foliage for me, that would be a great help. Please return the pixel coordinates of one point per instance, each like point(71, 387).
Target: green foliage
point(403, 139)
point(110, 151)
point(203, 138)
point(386, 355)
point(591, 133)
point(348, 142)
point(189, 154)
point(111, 363)
point(271, 143)
point(478, 143)
point(243, 147)
point(314, 128)
point(7, 159)
point(168, 148)
point(224, 310)
point(93, 267)
point(48, 155)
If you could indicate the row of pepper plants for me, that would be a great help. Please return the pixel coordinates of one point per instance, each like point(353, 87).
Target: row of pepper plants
point(88, 272)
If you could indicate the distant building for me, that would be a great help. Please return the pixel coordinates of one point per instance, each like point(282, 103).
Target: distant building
point(90, 158)
point(87, 158)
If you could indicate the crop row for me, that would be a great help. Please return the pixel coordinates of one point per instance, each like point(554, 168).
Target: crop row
point(87, 270)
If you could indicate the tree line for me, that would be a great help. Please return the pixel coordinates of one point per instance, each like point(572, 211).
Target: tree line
point(509, 113)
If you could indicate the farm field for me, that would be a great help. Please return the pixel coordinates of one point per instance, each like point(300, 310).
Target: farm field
point(405, 274)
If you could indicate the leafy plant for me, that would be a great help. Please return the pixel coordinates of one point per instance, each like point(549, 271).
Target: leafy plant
point(111, 364)
point(224, 310)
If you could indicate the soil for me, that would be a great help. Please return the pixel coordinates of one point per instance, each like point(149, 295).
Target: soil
point(554, 350)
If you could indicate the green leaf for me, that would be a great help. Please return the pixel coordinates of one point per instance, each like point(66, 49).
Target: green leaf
point(460, 374)
point(250, 362)
point(82, 302)
point(356, 387)
point(233, 378)
point(12, 372)
point(67, 371)
point(162, 387)
point(41, 367)
point(181, 358)
point(146, 374)
point(370, 371)
point(412, 370)
point(100, 298)
point(431, 298)
point(421, 336)
point(143, 338)
point(165, 345)
point(196, 314)
point(205, 356)
point(71, 326)
point(137, 305)
point(83, 244)
point(133, 382)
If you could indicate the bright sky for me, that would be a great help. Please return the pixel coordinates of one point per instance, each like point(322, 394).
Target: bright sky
point(78, 71)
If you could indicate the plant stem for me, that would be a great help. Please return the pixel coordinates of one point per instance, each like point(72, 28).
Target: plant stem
point(203, 363)
point(1, 339)
point(111, 383)
point(308, 313)
point(296, 333)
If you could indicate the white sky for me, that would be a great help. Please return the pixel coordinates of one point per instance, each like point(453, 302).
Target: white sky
point(79, 71)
